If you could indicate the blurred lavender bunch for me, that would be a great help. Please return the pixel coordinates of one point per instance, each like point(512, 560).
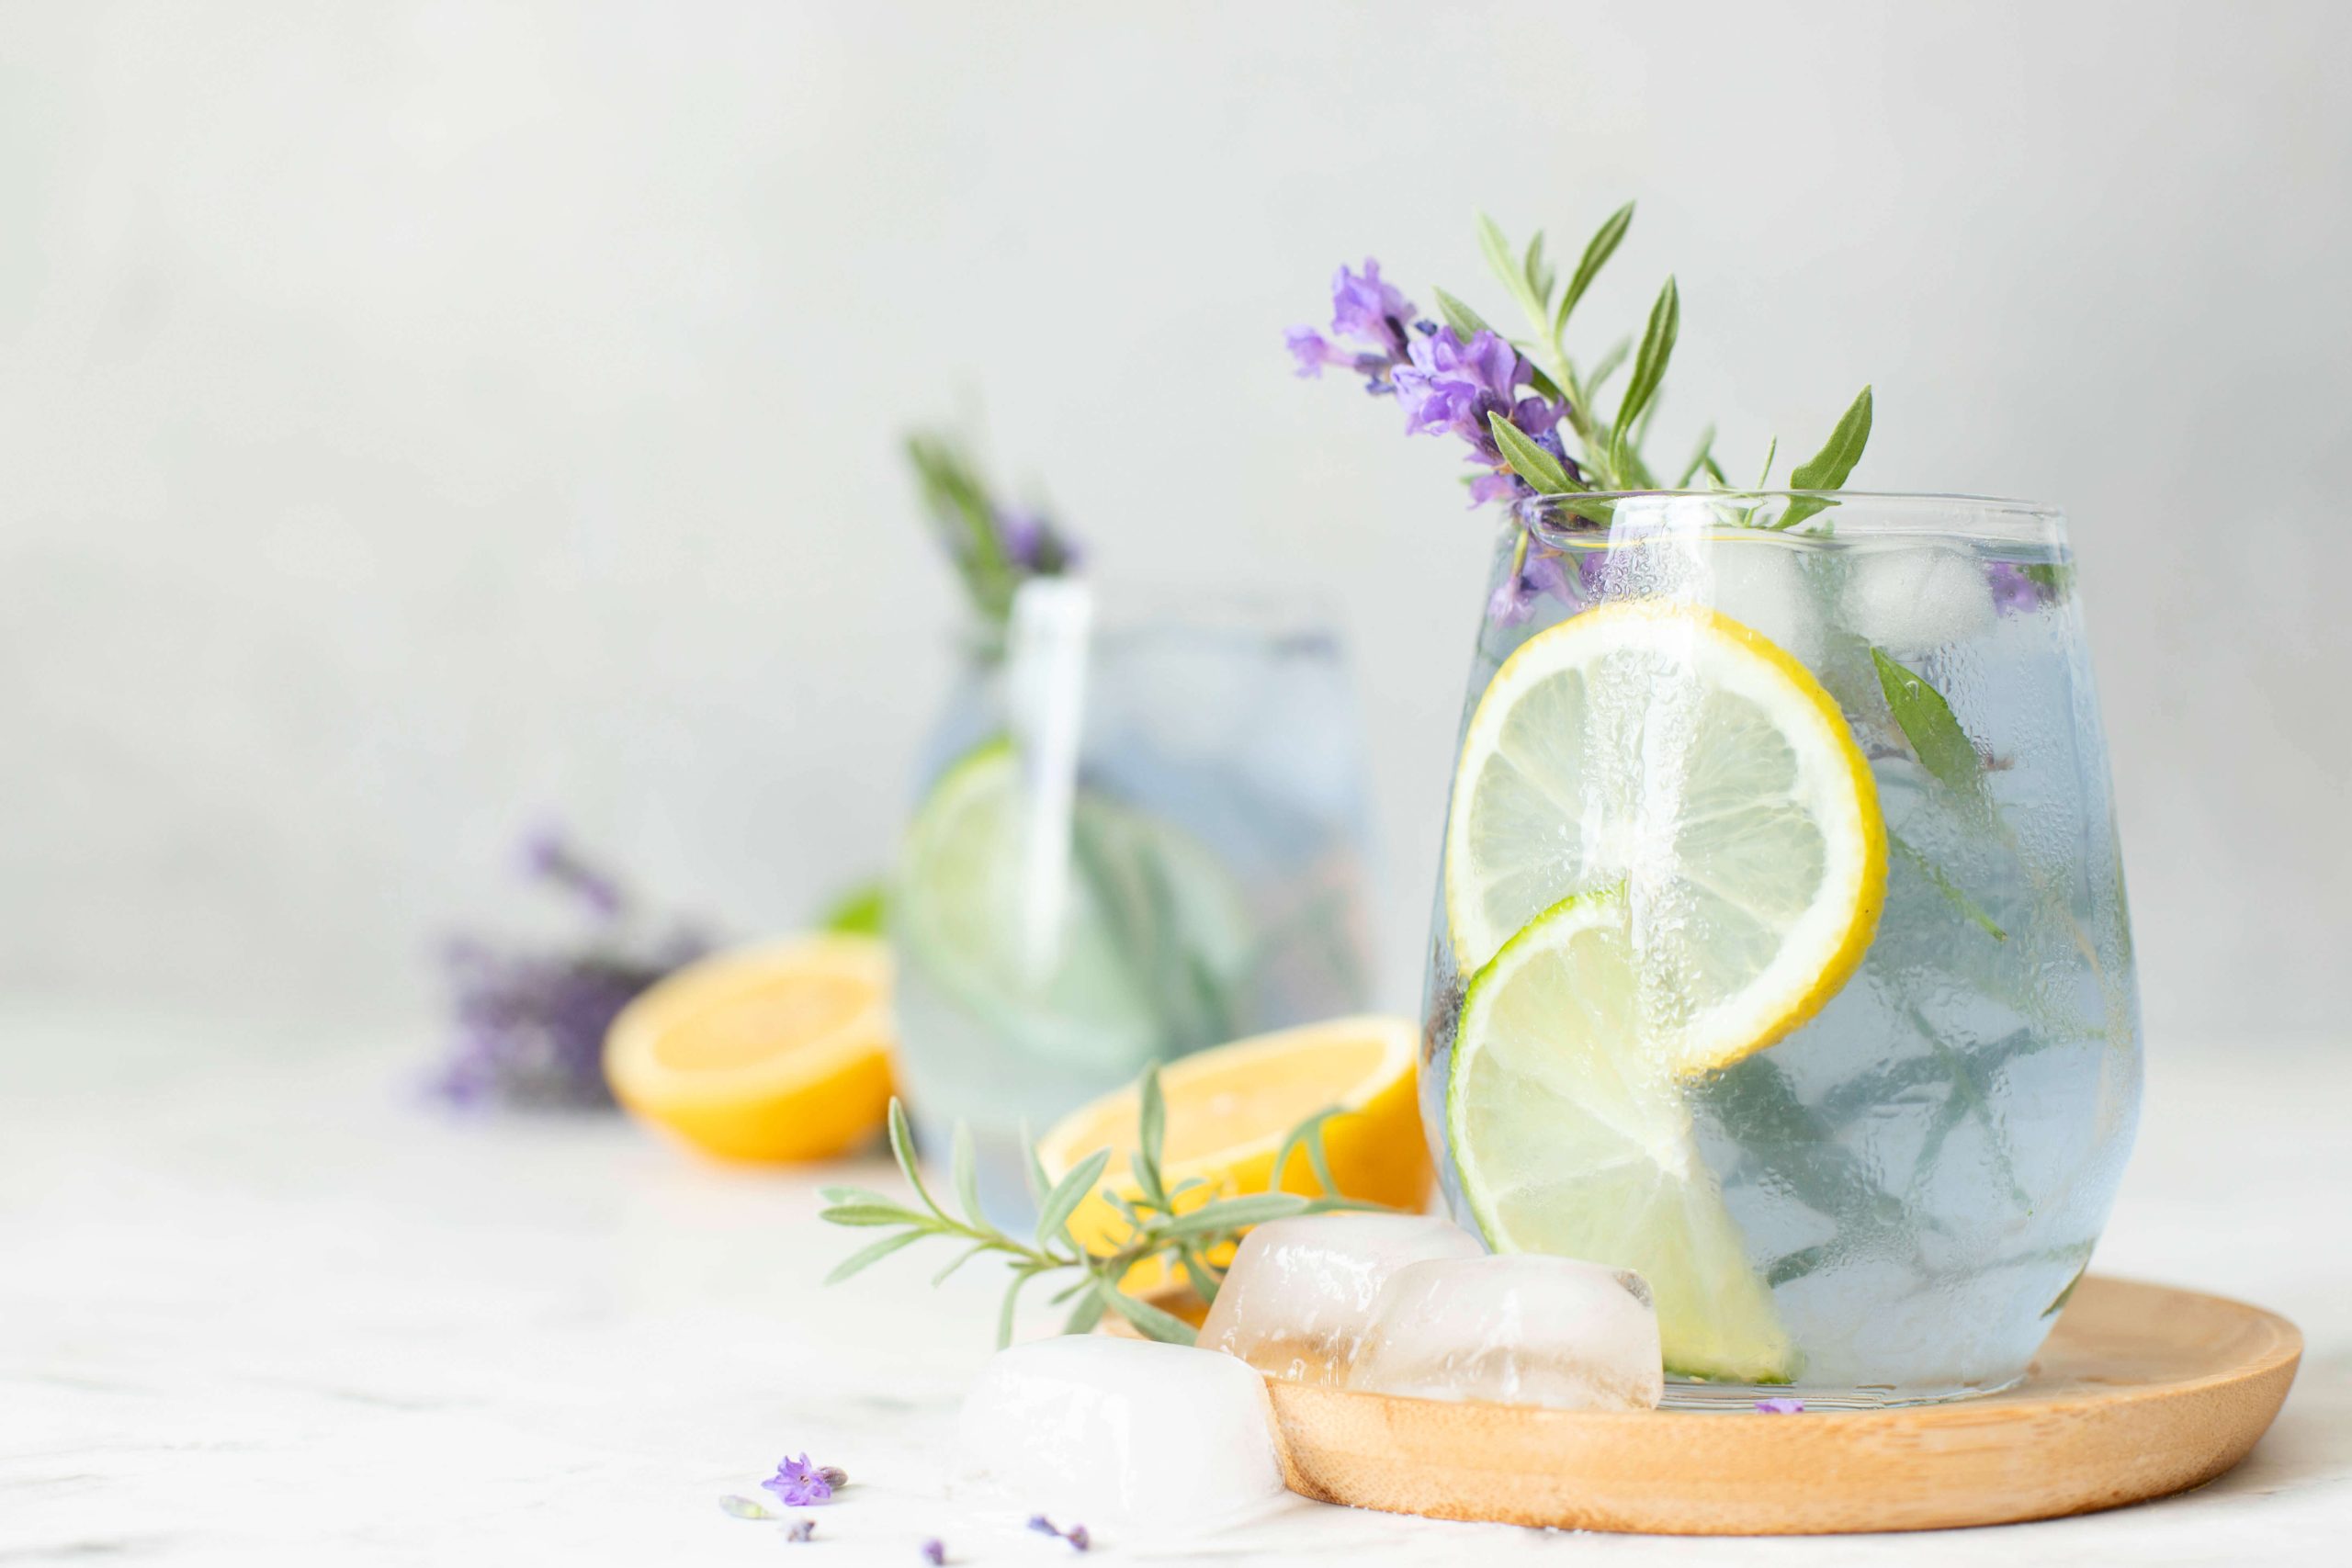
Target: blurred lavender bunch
point(995, 547)
point(1516, 401)
point(530, 1024)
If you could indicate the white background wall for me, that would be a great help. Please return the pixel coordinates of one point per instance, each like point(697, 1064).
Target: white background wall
point(417, 416)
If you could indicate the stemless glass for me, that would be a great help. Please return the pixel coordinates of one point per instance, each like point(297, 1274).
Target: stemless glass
point(1131, 841)
point(1853, 1092)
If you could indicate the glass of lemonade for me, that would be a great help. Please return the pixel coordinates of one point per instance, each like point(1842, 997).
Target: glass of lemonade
point(1781, 950)
point(1139, 833)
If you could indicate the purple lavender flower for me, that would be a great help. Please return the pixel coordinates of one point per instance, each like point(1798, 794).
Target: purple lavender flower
point(2014, 590)
point(549, 857)
point(1078, 1538)
point(530, 1025)
point(1443, 382)
point(799, 1484)
point(935, 1552)
point(1032, 545)
point(1542, 574)
point(1042, 1525)
point(800, 1530)
point(1780, 1406)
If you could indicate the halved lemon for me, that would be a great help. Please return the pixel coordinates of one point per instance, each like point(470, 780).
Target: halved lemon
point(1668, 750)
point(1571, 1138)
point(774, 1053)
point(1231, 1108)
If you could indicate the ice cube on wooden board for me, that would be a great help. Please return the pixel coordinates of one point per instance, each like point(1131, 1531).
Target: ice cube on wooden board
point(1120, 1434)
point(1515, 1328)
point(1300, 1292)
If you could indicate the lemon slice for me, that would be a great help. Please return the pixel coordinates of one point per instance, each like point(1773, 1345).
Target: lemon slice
point(1670, 750)
point(1231, 1108)
point(1570, 1138)
point(1155, 943)
point(773, 1053)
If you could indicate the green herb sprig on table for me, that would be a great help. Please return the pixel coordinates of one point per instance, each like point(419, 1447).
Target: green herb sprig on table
point(1162, 1223)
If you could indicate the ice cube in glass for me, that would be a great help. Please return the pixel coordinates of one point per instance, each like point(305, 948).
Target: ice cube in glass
point(1515, 1328)
point(1299, 1295)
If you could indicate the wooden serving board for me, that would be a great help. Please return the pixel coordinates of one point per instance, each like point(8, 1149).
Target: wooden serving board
point(2140, 1391)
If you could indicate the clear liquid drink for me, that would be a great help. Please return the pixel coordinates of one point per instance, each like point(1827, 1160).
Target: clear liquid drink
point(1781, 952)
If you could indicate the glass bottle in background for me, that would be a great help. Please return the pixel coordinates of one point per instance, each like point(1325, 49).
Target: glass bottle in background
point(1135, 836)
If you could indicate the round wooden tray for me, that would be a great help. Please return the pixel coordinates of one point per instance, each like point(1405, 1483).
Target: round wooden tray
point(2140, 1391)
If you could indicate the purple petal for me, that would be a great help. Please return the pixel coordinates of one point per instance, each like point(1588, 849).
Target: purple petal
point(1780, 1406)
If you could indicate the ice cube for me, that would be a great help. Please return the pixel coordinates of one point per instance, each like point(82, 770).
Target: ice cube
point(1298, 1298)
point(1121, 1433)
point(1760, 582)
point(1517, 1328)
point(1914, 600)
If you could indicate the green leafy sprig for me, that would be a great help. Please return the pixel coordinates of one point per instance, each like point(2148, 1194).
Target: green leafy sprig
point(1613, 457)
point(1160, 1224)
point(994, 547)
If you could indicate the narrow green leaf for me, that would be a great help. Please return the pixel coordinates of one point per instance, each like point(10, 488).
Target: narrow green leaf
point(1499, 261)
point(961, 1258)
point(1944, 884)
point(1085, 1314)
point(1012, 1298)
point(966, 1175)
point(1237, 1214)
point(1528, 460)
point(902, 1147)
point(865, 1257)
point(1829, 468)
point(1539, 277)
point(873, 1215)
point(1033, 1170)
point(1205, 1284)
point(853, 1195)
point(1597, 251)
point(1699, 459)
point(1771, 450)
point(1309, 1130)
point(1152, 1135)
point(1147, 1319)
point(1067, 1194)
point(1650, 361)
point(1467, 323)
point(1936, 737)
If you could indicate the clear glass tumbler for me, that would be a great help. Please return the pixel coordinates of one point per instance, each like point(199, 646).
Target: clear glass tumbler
point(1132, 840)
point(1781, 948)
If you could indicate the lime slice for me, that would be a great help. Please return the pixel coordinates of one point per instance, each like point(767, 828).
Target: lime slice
point(1571, 1138)
point(1155, 943)
point(1670, 750)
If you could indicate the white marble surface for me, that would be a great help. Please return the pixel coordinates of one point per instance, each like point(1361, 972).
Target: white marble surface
point(256, 1307)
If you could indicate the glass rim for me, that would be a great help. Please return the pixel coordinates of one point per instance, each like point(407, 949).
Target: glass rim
point(1852, 512)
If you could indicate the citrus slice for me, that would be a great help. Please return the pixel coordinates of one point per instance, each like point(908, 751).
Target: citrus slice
point(1231, 1108)
point(1670, 750)
point(1153, 943)
point(1570, 1138)
point(774, 1053)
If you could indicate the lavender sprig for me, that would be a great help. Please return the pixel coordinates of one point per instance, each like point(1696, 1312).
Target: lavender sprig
point(1162, 1223)
point(529, 1025)
point(995, 547)
point(1509, 398)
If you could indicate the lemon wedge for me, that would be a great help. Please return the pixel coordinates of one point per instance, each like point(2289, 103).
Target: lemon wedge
point(1231, 1108)
point(774, 1053)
